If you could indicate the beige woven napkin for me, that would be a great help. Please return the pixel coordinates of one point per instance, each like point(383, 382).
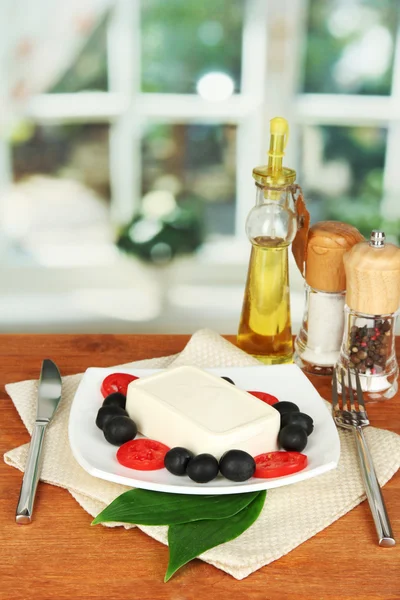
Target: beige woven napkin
point(291, 514)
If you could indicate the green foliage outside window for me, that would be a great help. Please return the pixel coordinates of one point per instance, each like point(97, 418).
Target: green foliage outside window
point(182, 40)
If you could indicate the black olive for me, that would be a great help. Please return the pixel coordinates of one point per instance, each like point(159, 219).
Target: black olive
point(108, 412)
point(285, 407)
point(176, 460)
point(292, 437)
point(202, 468)
point(115, 399)
point(229, 380)
point(298, 418)
point(119, 430)
point(237, 465)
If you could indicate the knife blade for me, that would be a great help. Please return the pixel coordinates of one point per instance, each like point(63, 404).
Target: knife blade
point(49, 396)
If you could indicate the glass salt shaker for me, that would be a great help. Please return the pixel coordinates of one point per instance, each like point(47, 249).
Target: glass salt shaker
point(372, 303)
point(317, 345)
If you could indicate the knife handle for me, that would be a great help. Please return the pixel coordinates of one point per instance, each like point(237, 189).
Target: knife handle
point(30, 480)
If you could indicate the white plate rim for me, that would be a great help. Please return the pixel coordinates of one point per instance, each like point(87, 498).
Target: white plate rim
point(196, 489)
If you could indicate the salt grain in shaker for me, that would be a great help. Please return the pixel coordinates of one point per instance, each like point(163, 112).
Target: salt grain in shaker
point(318, 343)
point(372, 303)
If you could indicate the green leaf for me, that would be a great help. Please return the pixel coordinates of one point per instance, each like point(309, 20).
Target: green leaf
point(143, 507)
point(189, 540)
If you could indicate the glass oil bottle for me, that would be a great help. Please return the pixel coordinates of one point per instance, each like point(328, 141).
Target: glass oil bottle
point(265, 324)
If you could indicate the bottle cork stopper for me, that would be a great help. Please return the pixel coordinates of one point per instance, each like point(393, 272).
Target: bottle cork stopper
point(373, 276)
point(327, 243)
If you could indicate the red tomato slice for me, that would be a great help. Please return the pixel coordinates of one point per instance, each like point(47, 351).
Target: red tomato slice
point(278, 464)
point(268, 398)
point(116, 382)
point(142, 455)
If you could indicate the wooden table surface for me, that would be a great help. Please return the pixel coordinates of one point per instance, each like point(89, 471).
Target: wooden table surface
point(60, 556)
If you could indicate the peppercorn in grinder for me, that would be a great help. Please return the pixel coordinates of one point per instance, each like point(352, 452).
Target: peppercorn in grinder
point(372, 303)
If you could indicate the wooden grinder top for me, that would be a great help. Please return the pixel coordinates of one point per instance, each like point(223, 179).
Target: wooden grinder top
point(373, 276)
point(327, 243)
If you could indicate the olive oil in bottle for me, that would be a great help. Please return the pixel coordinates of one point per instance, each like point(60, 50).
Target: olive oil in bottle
point(265, 324)
point(265, 328)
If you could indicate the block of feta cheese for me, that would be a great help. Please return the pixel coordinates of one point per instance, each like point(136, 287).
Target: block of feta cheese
point(186, 406)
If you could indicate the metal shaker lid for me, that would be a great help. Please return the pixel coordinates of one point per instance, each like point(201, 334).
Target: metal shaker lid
point(377, 239)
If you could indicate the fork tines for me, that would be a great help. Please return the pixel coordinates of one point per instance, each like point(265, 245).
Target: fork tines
point(351, 393)
point(360, 398)
point(335, 397)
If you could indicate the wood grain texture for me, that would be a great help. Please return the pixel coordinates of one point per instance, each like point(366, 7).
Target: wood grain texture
point(373, 278)
point(327, 243)
point(60, 556)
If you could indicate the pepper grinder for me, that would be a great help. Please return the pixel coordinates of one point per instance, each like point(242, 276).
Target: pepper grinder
point(317, 345)
point(372, 302)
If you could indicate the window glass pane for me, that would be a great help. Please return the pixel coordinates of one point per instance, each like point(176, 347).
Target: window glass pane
point(182, 41)
point(342, 174)
point(88, 72)
point(197, 165)
point(350, 46)
point(78, 152)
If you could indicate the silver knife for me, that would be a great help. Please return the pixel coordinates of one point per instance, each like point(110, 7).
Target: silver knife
point(49, 395)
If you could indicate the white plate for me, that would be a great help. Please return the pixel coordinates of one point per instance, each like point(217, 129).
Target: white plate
point(287, 382)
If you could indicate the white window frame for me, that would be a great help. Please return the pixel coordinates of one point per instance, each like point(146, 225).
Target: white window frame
point(127, 109)
point(270, 73)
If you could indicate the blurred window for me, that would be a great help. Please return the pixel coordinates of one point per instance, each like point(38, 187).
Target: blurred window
point(349, 111)
point(89, 70)
point(343, 173)
point(170, 120)
point(197, 164)
point(182, 41)
point(175, 96)
point(350, 46)
point(78, 152)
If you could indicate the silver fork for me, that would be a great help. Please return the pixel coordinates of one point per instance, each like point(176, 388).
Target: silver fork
point(355, 420)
